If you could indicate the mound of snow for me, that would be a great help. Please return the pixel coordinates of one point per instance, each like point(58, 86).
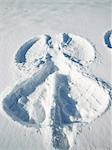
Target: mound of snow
point(76, 47)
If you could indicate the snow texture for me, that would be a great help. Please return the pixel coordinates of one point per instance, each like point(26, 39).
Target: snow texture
point(108, 38)
point(76, 97)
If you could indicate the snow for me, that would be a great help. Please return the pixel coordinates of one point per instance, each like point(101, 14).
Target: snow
point(79, 48)
point(55, 88)
point(108, 39)
point(71, 103)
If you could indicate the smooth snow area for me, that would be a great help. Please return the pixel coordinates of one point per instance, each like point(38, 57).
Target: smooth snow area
point(55, 75)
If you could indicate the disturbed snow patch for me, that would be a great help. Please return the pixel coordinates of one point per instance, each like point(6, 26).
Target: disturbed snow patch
point(108, 38)
point(57, 94)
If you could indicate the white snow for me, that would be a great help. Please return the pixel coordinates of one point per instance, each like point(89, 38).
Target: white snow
point(74, 99)
point(55, 89)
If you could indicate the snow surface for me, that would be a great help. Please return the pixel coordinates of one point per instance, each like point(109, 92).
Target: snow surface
point(75, 97)
point(108, 39)
point(59, 96)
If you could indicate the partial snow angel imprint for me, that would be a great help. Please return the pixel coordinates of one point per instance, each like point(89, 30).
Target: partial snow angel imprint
point(108, 38)
point(57, 94)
